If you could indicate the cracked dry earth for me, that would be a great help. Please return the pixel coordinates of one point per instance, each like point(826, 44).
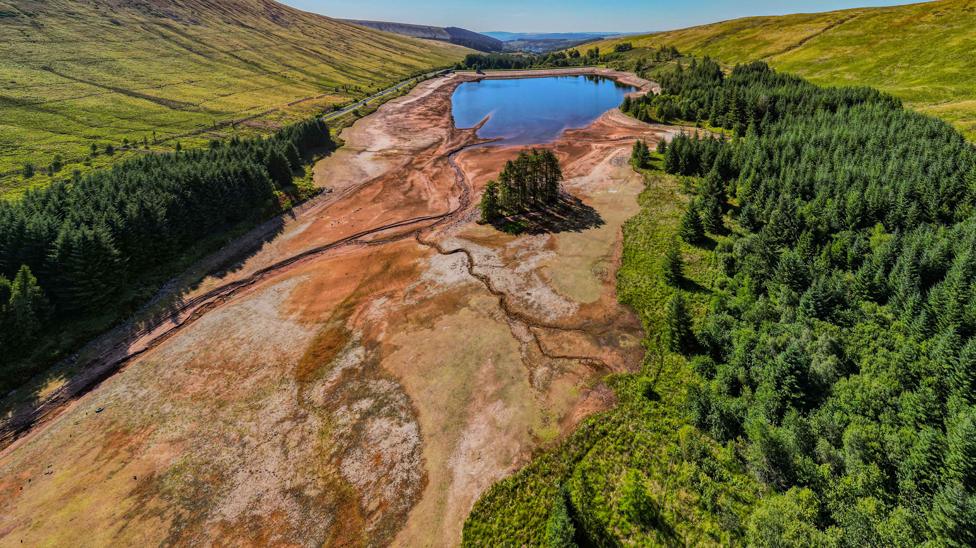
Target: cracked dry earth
point(366, 395)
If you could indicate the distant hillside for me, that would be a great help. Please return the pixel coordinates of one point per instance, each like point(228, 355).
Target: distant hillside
point(454, 35)
point(542, 46)
point(77, 73)
point(922, 53)
point(511, 36)
point(541, 42)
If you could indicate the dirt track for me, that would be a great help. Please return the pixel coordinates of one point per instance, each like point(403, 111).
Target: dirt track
point(361, 378)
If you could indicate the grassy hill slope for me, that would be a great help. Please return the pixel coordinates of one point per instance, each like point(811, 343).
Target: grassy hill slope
point(922, 53)
point(79, 72)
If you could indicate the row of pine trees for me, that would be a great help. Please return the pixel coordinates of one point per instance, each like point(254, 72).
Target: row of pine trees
point(529, 182)
point(701, 93)
point(839, 354)
point(87, 247)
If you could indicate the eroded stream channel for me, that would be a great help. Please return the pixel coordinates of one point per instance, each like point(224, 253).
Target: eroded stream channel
point(366, 374)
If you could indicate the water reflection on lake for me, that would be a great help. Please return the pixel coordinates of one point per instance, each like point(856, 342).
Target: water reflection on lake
point(535, 110)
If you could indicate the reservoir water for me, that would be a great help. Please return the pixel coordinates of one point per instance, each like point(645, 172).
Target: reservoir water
point(534, 110)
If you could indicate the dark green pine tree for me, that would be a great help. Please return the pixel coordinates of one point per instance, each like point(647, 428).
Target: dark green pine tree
point(673, 264)
point(27, 304)
point(635, 503)
point(489, 202)
point(672, 159)
point(560, 532)
point(640, 155)
point(691, 229)
point(678, 323)
point(635, 154)
point(971, 184)
point(712, 186)
point(784, 227)
point(26, 309)
point(510, 192)
point(960, 456)
point(961, 374)
point(711, 214)
point(291, 153)
point(7, 334)
point(952, 516)
point(793, 272)
point(551, 175)
point(530, 180)
point(627, 105)
point(88, 270)
point(735, 116)
point(278, 167)
point(662, 146)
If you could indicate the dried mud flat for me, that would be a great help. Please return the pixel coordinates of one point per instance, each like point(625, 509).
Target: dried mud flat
point(367, 392)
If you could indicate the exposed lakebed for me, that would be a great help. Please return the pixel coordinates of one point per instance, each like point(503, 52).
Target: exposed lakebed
point(534, 110)
point(365, 393)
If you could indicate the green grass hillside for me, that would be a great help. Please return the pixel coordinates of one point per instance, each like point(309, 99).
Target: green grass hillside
point(77, 73)
point(921, 53)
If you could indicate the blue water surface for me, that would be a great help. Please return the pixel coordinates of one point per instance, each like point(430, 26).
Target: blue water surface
point(534, 110)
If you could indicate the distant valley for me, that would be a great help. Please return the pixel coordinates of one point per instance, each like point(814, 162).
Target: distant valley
point(541, 42)
point(513, 36)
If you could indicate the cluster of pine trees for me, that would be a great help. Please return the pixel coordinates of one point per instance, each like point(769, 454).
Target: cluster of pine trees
point(505, 61)
point(23, 311)
point(640, 155)
point(839, 354)
point(621, 58)
point(666, 53)
point(653, 108)
point(529, 182)
point(485, 61)
point(692, 155)
point(74, 250)
point(751, 96)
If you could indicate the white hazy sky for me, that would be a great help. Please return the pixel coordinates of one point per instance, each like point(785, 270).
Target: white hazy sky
point(567, 15)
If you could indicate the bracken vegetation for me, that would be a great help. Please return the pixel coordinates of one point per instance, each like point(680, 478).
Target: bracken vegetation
point(81, 253)
point(812, 378)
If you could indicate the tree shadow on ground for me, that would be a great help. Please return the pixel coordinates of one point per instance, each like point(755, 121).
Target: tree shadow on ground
point(691, 286)
point(568, 214)
point(707, 243)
